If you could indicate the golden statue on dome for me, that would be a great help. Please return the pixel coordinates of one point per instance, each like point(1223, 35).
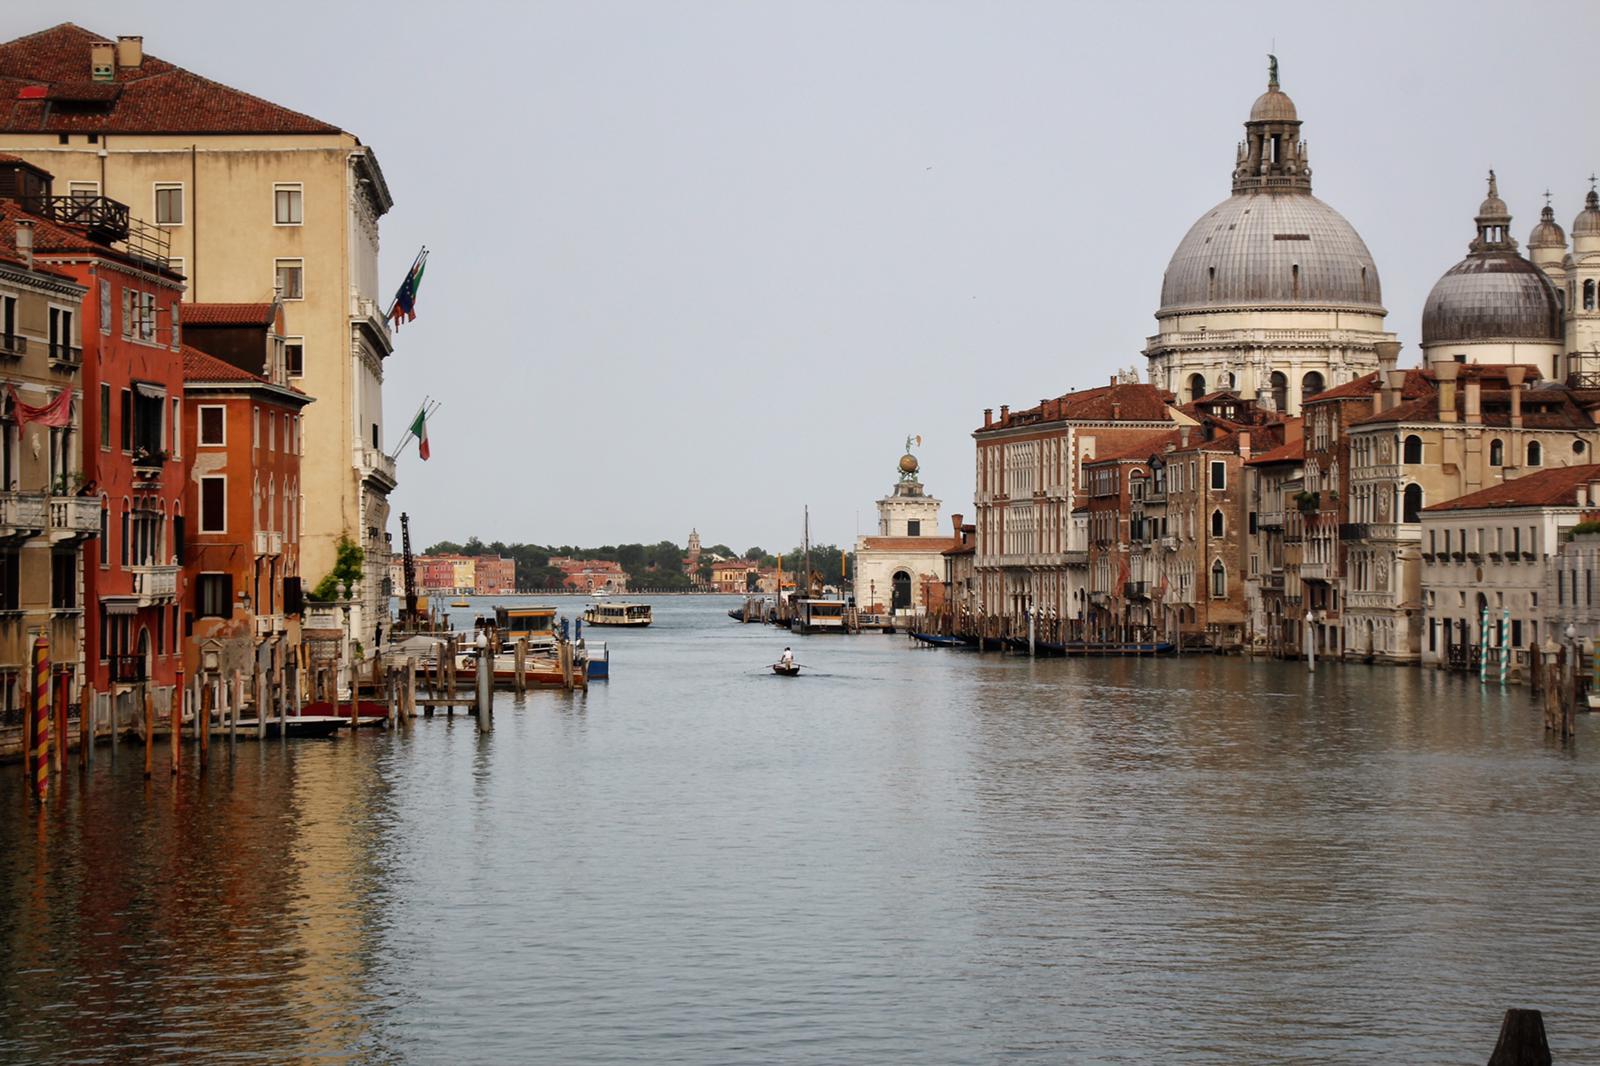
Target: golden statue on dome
point(908, 462)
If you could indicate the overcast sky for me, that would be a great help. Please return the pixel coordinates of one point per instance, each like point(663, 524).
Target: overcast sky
point(700, 264)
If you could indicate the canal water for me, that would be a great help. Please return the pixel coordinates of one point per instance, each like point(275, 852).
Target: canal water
point(901, 856)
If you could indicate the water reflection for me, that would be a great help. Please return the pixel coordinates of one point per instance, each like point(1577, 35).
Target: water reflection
point(907, 856)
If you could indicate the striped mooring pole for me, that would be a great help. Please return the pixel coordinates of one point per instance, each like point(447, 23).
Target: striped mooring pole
point(1483, 646)
point(1505, 650)
point(41, 716)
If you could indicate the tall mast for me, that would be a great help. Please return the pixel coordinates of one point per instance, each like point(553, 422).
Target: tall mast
point(808, 550)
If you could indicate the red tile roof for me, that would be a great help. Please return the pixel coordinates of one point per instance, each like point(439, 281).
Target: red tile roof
point(1120, 403)
point(1550, 406)
point(931, 544)
point(1555, 487)
point(156, 97)
point(198, 366)
point(1293, 452)
point(1142, 448)
point(208, 314)
point(9, 214)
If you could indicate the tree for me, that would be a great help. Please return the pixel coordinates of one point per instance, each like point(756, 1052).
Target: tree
point(346, 568)
point(754, 554)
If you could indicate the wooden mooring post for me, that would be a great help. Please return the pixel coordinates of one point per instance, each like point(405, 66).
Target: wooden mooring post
point(259, 696)
point(1522, 1041)
point(521, 660)
point(62, 694)
point(149, 730)
point(88, 731)
point(175, 732)
point(485, 678)
point(235, 698)
point(208, 701)
point(411, 689)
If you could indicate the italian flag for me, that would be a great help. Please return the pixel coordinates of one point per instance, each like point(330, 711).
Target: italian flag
point(420, 428)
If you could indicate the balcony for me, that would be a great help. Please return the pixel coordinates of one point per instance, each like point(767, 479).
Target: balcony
point(269, 542)
point(154, 585)
point(22, 515)
point(13, 345)
point(1170, 543)
point(376, 469)
point(1078, 557)
point(128, 669)
point(268, 624)
point(148, 462)
point(367, 316)
point(1354, 531)
point(1269, 519)
point(108, 222)
point(73, 518)
point(1136, 590)
point(66, 355)
point(1316, 572)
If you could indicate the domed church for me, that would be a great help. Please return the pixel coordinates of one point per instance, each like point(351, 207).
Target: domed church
point(1271, 293)
point(1496, 306)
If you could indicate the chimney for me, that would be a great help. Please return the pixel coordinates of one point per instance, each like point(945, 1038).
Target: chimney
point(955, 520)
point(102, 61)
point(1005, 411)
point(1116, 410)
point(1113, 380)
point(1474, 403)
point(1445, 374)
point(25, 241)
point(1183, 436)
point(130, 52)
point(1388, 356)
point(1515, 375)
point(1244, 444)
point(1394, 388)
point(988, 417)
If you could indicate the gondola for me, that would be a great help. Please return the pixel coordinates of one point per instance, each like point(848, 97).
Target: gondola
point(938, 640)
point(786, 671)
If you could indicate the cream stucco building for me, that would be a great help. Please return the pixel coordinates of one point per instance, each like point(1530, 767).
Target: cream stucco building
point(902, 568)
point(256, 200)
point(1271, 294)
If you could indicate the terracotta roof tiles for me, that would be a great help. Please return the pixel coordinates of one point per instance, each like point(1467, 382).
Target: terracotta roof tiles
point(218, 314)
point(932, 544)
point(155, 97)
point(1555, 487)
point(1133, 402)
point(198, 366)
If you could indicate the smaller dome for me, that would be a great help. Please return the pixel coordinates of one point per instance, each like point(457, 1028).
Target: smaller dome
point(1587, 224)
point(1492, 296)
point(1273, 105)
point(1547, 234)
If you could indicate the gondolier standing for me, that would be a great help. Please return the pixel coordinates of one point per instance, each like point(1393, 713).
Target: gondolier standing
point(786, 659)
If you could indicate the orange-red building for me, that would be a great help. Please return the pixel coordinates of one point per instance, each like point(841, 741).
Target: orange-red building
point(124, 335)
point(243, 433)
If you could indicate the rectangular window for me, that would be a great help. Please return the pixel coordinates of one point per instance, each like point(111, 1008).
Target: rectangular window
point(272, 431)
point(213, 505)
point(61, 346)
point(10, 580)
point(105, 307)
point(63, 580)
point(169, 203)
point(294, 356)
point(149, 422)
point(913, 527)
point(127, 420)
point(147, 316)
point(290, 278)
point(1516, 632)
point(105, 416)
point(287, 200)
point(177, 326)
point(255, 427)
point(83, 190)
point(1219, 475)
point(213, 426)
point(214, 595)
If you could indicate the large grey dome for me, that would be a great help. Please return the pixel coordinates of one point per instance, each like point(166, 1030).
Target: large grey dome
point(1492, 296)
point(1271, 249)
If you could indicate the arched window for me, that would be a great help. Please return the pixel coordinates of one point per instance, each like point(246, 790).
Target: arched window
point(1280, 391)
point(1219, 581)
point(900, 596)
point(1588, 295)
point(1310, 385)
point(1413, 449)
point(1197, 386)
point(1216, 523)
point(1228, 380)
point(1497, 453)
point(1535, 453)
point(1411, 504)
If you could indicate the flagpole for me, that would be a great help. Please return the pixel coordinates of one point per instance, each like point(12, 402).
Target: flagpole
point(427, 413)
point(421, 257)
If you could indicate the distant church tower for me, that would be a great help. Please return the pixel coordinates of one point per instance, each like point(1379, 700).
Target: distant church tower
point(1582, 270)
point(691, 562)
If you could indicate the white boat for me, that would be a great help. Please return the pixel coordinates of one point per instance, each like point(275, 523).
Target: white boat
point(617, 614)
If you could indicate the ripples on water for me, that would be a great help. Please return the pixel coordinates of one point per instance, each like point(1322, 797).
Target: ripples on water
point(904, 856)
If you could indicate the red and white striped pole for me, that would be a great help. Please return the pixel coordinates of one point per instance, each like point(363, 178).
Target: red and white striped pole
point(41, 716)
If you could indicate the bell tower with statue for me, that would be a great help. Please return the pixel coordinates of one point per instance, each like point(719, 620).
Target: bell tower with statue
point(908, 511)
